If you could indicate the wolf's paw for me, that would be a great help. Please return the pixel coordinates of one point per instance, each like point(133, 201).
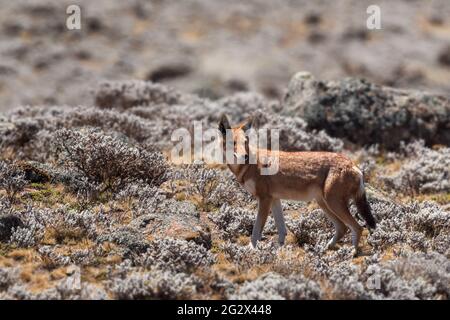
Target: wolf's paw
point(331, 245)
point(281, 240)
point(279, 244)
point(253, 246)
point(356, 252)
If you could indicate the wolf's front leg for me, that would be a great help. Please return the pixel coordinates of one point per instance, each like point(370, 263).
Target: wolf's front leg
point(277, 212)
point(261, 218)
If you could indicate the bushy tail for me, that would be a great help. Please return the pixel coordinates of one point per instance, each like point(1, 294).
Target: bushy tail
point(364, 209)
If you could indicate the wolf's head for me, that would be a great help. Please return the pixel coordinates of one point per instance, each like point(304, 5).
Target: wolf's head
point(235, 140)
point(243, 146)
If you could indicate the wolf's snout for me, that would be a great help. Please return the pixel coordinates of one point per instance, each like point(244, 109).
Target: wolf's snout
point(241, 158)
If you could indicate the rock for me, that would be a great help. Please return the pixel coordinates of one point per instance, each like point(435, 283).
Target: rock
point(33, 173)
point(128, 238)
point(169, 72)
point(178, 223)
point(294, 135)
point(313, 18)
point(444, 57)
point(366, 113)
point(8, 223)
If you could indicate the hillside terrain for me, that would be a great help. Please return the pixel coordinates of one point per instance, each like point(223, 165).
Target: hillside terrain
point(91, 206)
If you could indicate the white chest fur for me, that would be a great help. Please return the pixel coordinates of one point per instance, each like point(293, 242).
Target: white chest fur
point(250, 186)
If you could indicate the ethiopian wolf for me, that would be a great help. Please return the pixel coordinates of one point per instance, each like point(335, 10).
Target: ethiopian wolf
point(329, 178)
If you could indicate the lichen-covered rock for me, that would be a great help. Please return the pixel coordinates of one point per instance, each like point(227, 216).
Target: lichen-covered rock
point(175, 219)
point(366, 113)
point(129, 238)
point(294, 134)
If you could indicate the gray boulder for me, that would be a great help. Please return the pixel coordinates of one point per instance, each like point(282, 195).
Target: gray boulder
point(175, 219)
point(366, 113)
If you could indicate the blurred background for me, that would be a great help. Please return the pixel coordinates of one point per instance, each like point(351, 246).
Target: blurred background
point(214, 48)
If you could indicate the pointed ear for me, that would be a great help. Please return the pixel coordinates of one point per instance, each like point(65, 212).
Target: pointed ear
point(248, 124)
point(224, 124)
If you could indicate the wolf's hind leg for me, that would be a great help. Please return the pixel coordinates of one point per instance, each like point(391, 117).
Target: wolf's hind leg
point(340, 208)
point(277, 212)
point(339, 226)
point(336, 198)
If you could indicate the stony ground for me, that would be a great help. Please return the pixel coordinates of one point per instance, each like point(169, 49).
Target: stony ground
point(93, 207)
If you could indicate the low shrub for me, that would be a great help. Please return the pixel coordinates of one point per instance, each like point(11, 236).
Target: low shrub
point(12, 180)
point(108, 161)
point(272, 286)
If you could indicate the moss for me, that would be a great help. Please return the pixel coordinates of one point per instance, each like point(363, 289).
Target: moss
point(46, 194)
point(38, 185)
point(41, 195)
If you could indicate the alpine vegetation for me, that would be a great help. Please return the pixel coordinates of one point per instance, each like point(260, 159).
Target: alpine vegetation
point(425, 170)
point(107, 160)
point(93, 207)
point(12, 180)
